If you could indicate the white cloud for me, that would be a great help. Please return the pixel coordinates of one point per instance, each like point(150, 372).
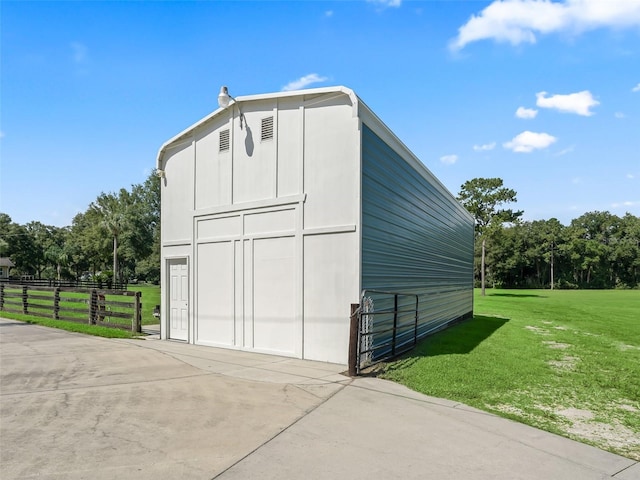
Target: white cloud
point(526, 112)
point(565, 151)
point(485, 147)
point(619, 115)
point(328, 13)
point(449, 159)
point(576, 180)
point(521, 21)
point(578, 103)
point(527, 142)
point(1, 134)
point(636, 88)
point(303, 82)
point(630, 176)
point(386, 3)
point(79, 52)
point(625, 204)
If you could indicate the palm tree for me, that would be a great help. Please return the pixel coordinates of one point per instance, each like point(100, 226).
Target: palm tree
point(113, 219)
point(59, 257)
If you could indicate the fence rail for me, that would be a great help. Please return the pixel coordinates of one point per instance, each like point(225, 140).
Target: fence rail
point(36, 282)
point(90, 306)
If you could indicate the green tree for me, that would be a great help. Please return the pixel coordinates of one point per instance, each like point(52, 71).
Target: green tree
point(483, 198)
point(112, 214)
point(148, 264)
point(58, 256)
point(21, 247)
point(591, 242)
point(626, 251)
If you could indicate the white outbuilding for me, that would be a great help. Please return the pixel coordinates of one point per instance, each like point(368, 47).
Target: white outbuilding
point(278, 210)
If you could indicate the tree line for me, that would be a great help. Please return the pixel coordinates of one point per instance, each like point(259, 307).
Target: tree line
point(116, 239)
point(596, 250)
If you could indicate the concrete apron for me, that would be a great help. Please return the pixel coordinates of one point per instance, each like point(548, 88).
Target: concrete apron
point(75, 407)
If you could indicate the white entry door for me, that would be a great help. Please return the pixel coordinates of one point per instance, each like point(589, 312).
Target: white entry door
point(178, 299)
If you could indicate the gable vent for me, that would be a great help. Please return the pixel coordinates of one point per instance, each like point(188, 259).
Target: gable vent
point(224, 140)
point(267, 128)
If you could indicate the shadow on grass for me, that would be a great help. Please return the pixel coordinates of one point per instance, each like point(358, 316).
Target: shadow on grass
point(516, 295)
point(458, 339)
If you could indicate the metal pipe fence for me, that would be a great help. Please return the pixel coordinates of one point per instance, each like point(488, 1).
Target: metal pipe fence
point(384, 325)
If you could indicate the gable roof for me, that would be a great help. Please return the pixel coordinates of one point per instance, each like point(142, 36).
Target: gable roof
point(6, 262)
point(360, 109)
point(355, 101)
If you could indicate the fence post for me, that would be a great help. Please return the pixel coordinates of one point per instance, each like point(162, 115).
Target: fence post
point(1, 296)
point(25, 300)
point(415, 328)
point(395, 324)
point(136, 322)
point(56, 303)
point(354, 328)
point(93, 306)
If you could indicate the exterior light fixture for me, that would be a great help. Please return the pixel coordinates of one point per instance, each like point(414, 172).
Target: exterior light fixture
point(160, 173)
point(224, 98)
point(223, 102)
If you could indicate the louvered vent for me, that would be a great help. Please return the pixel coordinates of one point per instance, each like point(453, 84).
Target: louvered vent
point(224, 140)
point(267, 128)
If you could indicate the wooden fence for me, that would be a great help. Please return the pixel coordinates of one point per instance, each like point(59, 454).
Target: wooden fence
point(37, 282)
point(90, 306)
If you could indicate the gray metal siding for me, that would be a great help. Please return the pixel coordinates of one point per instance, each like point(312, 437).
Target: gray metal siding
point(415, 239)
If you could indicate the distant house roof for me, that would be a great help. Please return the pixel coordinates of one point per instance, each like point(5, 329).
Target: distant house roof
point(6, 262)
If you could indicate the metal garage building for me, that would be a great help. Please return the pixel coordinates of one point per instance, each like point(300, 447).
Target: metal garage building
point(280, 209)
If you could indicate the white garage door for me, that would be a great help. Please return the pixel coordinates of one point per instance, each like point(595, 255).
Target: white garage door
point(215, 277)
point(246, 283)
point(274, 293)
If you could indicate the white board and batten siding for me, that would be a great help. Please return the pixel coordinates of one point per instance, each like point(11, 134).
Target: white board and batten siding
point(269, 220)
point(279, 224)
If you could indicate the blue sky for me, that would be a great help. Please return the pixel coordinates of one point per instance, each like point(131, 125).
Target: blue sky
point(545, 95)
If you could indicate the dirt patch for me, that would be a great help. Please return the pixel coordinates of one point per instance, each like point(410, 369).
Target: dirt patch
point(611, 435)
point(565, 363)
point(582, 425)
point(557, 345)
point(575, 414)
point(538, 330)
point(510, 409)
point(627, 407)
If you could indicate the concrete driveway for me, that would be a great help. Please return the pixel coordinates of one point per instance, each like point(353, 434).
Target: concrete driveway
point(79, 407)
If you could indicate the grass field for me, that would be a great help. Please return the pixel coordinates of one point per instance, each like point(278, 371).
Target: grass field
point(150, 298)
point(96, 330)
point(564, 361)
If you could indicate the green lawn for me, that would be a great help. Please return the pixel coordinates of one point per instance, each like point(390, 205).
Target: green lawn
point(564, 361)
point(150, 298)
point(95, 330)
